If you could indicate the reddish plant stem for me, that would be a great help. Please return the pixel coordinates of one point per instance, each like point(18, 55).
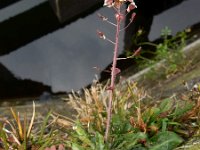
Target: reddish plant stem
point(113, 76)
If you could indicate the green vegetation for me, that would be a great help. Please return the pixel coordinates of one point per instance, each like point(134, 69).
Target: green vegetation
point(114, 117)
point(138, 122)
point(170, 50)
point(19, 133)
point(135, 125)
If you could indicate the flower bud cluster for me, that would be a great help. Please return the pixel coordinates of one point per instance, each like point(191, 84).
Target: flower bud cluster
point(118, 3)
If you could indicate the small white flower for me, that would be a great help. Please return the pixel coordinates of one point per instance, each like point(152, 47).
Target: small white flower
point(74, 127)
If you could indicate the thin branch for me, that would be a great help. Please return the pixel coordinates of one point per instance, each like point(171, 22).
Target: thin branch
point(110, 23)
point(131, 20)
point(126, 26)
point(148, 43)
point(103, 18)
point(110, 41)
point(126, 57)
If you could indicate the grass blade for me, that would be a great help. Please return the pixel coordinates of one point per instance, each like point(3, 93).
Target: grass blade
point(44, 125)
point(3, 137)
point(32, 119)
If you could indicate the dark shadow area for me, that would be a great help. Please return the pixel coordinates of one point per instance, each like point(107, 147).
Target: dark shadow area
point(5, 3)
point(12, 87)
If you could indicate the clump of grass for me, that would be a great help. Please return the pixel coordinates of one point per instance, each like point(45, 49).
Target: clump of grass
point(91, 113)
point(91, 107)
point(135, 123)
point(19, 133)
point(138, 122)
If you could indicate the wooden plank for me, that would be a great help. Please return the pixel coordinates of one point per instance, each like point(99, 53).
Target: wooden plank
point(37, 22)
point(65, 9)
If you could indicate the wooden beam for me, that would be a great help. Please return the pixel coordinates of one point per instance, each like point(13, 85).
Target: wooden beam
point(35, 23)
point(26, 27)
point(65, 9)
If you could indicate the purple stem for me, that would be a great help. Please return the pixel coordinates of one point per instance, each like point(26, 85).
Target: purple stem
point(113, 76)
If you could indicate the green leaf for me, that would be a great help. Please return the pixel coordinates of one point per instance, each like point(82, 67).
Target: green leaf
point(134, 141)
point(83, 135)
point(164, 124)
point(75, 146)
point(151, 114)
point(174, 123)
point(46, 141)
point(43, 127)
point(181, 109)
point(119, 124)
point(166, 32)
point(100, 145)
point(128, 141)
point(3, 137)
point(166, 105)
point(165, 141)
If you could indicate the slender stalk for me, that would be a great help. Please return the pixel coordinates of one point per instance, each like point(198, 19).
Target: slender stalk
point(113, 76)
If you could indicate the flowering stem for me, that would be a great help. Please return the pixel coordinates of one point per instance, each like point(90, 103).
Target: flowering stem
point(113, 75)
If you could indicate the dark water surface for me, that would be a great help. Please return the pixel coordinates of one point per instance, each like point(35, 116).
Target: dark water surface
point(64, 59)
